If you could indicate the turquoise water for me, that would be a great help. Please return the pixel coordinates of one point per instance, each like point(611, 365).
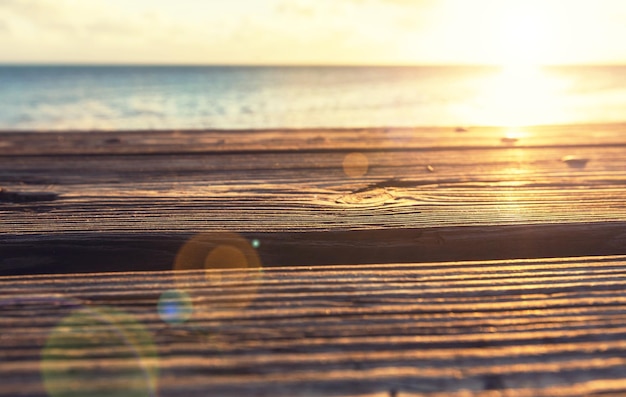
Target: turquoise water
point(42, 98)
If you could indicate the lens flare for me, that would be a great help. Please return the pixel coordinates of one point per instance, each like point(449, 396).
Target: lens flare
point(217, 251)
point(355, 165)
point(99, 352)
point(230, 270)
point(175, 307)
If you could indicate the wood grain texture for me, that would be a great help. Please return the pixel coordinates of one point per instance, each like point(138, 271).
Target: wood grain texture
point(515, 328)
point(129, 200)
point(425, 229)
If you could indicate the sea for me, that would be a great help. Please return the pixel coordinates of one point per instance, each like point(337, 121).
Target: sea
point(42, 98)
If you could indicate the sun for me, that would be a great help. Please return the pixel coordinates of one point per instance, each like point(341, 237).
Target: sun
point(523, 37)
point(521, 95)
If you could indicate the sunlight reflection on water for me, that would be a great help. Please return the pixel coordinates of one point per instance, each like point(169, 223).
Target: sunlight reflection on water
point(524, 95)
point(146, 97)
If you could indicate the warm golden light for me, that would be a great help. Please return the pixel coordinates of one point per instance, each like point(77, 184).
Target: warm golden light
point(228, 261)
point(314, 31)
point(355, 165)
point(523, 38)
point(79, 351)
point(521, 95)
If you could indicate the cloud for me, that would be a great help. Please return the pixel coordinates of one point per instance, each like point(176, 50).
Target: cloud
point(75, 30)
point(272, 31)
point(30, 7)
point(296, 8)
point(290, 31)
point(321, 31)
point(77, 18)
point(38, 13)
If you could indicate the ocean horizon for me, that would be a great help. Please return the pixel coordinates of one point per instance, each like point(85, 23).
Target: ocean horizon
point(164, 97)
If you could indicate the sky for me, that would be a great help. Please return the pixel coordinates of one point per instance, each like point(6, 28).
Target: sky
point(313, 32)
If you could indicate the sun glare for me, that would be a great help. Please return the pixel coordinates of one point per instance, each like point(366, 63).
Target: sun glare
point(522, 94)
point(523, 38)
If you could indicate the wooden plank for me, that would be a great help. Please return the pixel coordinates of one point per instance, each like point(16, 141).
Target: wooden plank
point(542, 327)
point(306, 140)
point(129, 200)
point(177, 204)
point(88, 252)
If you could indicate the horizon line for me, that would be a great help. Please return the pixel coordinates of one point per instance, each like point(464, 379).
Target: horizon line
point(313, 64)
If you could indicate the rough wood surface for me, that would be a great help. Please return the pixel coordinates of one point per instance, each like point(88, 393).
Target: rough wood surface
point(500, 328)
point(425, 229)
point(129, 200)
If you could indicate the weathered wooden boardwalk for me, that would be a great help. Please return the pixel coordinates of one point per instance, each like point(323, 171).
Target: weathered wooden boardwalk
point(188, 263)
